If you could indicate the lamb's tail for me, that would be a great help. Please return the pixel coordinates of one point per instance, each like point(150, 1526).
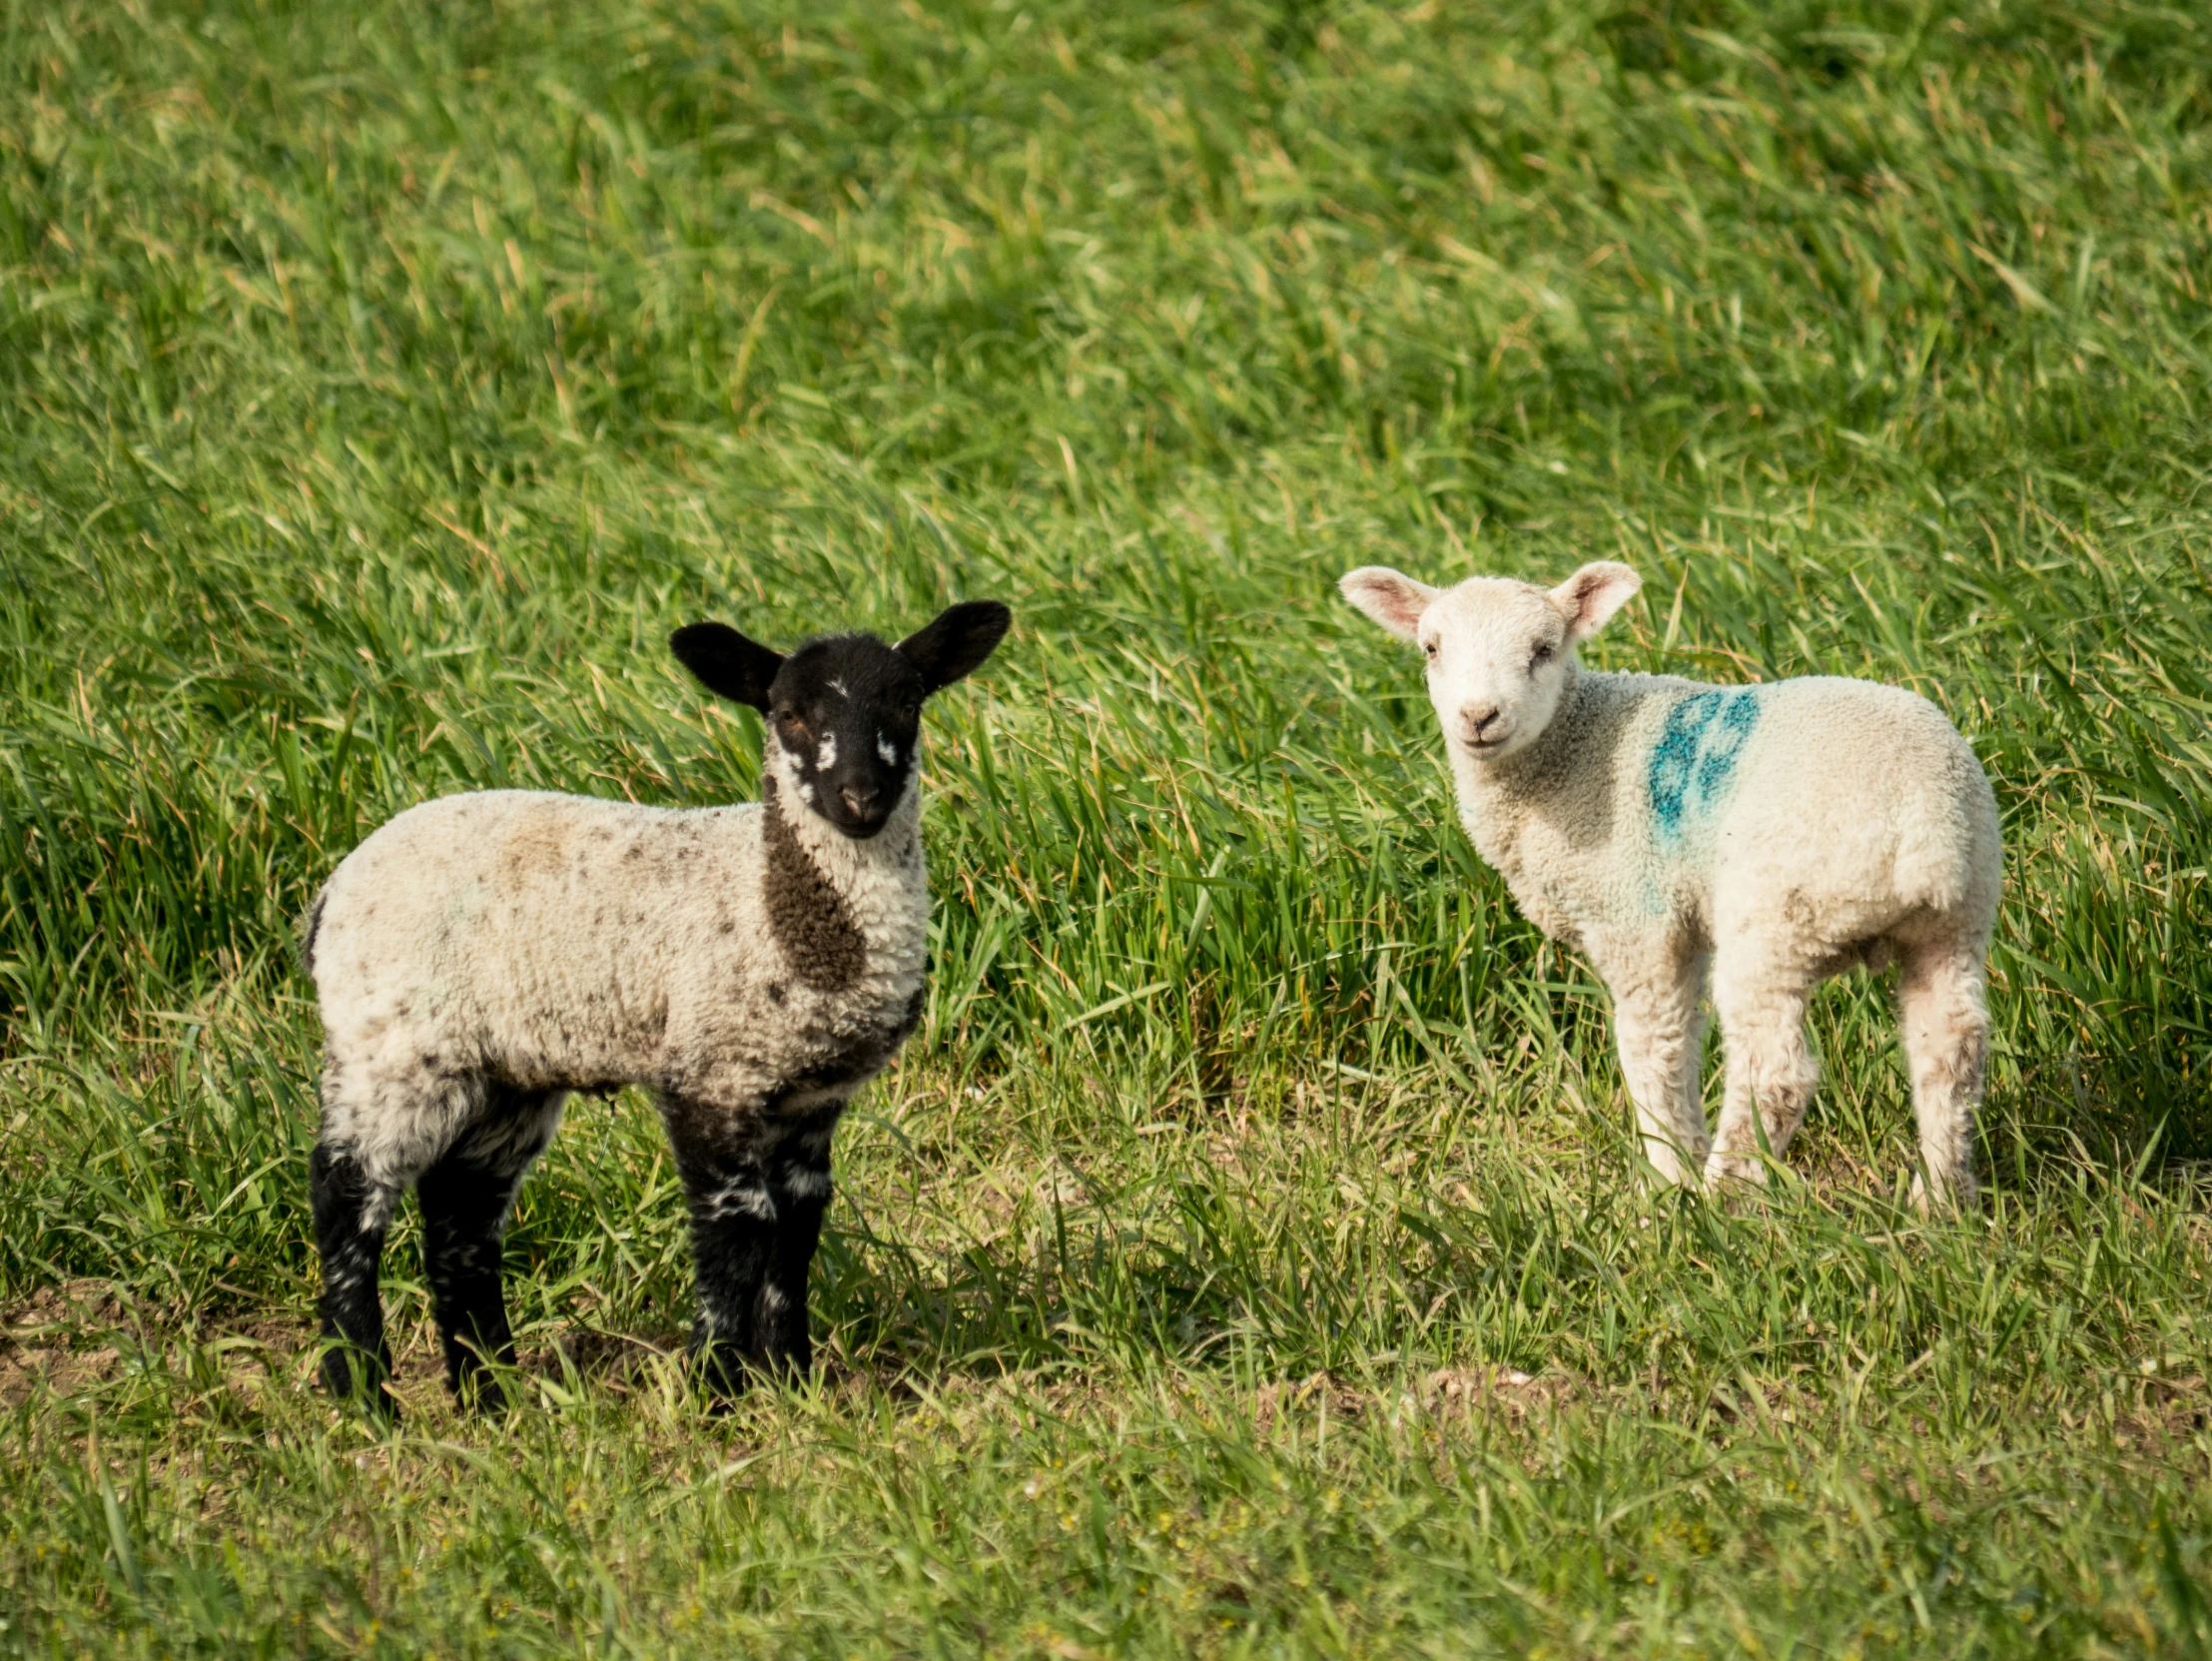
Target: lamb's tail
point(1950, 851)
point(312, 928)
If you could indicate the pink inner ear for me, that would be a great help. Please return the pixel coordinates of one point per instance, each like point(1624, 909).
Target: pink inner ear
point(1592, 598)
point(1587, 594)
point(1393, 601)
point(1404, 605)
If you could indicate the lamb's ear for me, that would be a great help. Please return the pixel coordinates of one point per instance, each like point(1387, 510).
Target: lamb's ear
point(1391, 598)
point(726, 663)
point(1589, 598)
point(956, 642)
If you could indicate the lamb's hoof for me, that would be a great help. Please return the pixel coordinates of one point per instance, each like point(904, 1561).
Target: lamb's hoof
point(1739, 1180)
point(480, 1394)
point(721, 1377)
point(1671, 1170)
point(378, 1406)
point(725, 1374)
point(352, 1385)
point(1952, 1199)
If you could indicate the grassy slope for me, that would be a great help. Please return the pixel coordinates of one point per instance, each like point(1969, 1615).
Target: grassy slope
point(382, 383)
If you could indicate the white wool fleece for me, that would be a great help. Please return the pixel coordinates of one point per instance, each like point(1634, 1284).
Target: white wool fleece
point(1771, 835)
point(569, 943)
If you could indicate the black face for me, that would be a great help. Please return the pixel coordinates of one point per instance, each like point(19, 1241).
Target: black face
point(846, 711)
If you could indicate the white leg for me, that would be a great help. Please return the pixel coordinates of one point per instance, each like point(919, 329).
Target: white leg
point(1771, 1070)
point(1946, 1045)
point(1659, 1024)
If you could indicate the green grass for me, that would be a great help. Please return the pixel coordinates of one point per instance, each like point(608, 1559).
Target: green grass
point(1244, 1259)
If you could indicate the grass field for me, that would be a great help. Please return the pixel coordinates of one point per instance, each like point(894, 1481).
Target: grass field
point(1244, 1259)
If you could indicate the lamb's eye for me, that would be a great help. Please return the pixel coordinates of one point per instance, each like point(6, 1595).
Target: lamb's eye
point(1430, 648)
point(1541, 656)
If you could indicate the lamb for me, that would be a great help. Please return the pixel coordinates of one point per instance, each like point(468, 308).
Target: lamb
point(1776, 835)
point(484, 956)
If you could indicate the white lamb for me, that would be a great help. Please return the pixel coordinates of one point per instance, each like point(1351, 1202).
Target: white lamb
point(482, 956)
point(1776, 835)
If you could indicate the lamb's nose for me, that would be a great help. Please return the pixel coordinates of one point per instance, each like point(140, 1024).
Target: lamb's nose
point(860, 799)
point(1478, 719)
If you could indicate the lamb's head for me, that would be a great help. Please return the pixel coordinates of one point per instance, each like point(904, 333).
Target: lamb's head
point(843, 714)
point(1500, 653)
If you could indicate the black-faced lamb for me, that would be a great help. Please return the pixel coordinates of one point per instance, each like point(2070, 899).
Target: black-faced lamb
point(1774, 835)
point(484, 956)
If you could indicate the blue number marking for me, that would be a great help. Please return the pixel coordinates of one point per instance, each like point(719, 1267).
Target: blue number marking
point(1695, 757)
point(1739, 714)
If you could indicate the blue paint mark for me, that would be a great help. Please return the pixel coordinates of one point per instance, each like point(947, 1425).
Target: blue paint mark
point(1695, 757)
point(1739, 714)
point(1674, 765)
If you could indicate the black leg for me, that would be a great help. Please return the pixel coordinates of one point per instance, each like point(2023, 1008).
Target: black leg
point(465, 1198)
point(799, 1183)
point(464, 1206)
point(733, 1238)
point(757, 1186)
point(350, 1216)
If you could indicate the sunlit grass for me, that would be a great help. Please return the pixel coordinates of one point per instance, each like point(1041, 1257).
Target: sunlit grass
point(1243, 1258)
